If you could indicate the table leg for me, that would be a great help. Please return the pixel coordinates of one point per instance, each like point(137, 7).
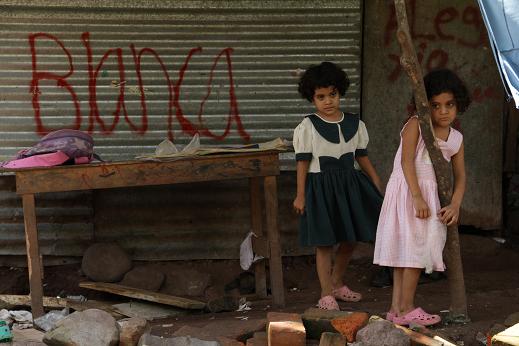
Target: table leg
point(257, 228)
point(276, 267)
point(33, 255)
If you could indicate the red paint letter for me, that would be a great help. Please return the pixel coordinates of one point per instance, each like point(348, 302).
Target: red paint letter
point(444, 16)
point(92, 84)
point(45, 75)
point(233, 111)
point(184, 123)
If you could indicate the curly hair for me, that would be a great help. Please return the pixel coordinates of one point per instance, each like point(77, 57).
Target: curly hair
point(324, 75)
point(445, 80)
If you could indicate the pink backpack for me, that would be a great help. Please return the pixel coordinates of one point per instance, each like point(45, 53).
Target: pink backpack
point(56, 148)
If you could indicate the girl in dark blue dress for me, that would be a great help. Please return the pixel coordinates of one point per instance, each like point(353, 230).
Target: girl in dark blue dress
point(338, 204)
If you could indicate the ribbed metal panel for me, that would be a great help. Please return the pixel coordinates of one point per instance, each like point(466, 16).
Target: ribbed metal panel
point(65, 221)
point(263, 45)
point(245, 69)
point(187, 221)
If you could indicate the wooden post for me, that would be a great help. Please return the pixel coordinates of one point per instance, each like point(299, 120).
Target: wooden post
point(257, 228)
point(33, 255)
point(409, 61)
point(275, 264)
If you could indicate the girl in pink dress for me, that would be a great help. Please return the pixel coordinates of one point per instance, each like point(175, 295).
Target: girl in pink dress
point(412, 226)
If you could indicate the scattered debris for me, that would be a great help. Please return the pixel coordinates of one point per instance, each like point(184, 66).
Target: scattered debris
point(49, 320)
point(244, 305)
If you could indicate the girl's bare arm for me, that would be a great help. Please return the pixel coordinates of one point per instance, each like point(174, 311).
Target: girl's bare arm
point(410, 136)
point(368, 168)
point(450, 214)
point(302, 172)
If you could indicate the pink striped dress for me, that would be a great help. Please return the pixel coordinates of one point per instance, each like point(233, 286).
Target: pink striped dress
point(403, 240)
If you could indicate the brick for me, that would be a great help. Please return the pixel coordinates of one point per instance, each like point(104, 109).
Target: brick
point(350, 325)
point(318, 321)
point(286, 333)
point(287, 329)
point(332, 339)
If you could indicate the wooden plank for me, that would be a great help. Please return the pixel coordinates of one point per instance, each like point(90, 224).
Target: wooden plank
point(33, 255)
point(60, 303)
point(24, 300)
point(127, 174)
point(257, 228)
point(149, 311)
point(276, 269)
point(143, 295)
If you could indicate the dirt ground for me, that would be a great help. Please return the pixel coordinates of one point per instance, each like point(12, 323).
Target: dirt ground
point(491, 277)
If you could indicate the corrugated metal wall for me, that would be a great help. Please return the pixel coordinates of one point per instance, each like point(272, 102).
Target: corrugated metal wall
point(133, 73)
point(203, 65)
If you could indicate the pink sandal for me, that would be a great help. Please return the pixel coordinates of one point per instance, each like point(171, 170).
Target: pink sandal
point(328, 303)
point(417, 316)
point(346, 295)
point(390, 316)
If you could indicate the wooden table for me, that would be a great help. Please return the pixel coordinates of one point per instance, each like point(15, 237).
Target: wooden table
point(258, 167)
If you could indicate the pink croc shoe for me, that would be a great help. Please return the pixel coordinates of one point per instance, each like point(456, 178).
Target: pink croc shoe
point(417, 316)
point(328, 303)
point(346, 295)
point(390, 316)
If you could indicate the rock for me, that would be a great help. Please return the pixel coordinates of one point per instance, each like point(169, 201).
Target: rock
point(27, 337)
point(285, 329)
point(318, 321)
point(186, 283)
point(87, 328)
point(49, 320)
point(234, 330)
point(259, 339)
point(144, 277)
point(382, 333)
point(351, 324)
point(225, 303)
point(512, 319)
point(245, 282)
point(131, 330)
point(202, 334)
point(105, 262)
point(153, 340)
point(332, 339)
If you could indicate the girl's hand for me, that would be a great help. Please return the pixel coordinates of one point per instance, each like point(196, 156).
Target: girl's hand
point(299, 205)
point(421, 207)
point(449, 215)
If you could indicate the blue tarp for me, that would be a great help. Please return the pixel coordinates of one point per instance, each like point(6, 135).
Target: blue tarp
point(502, 21)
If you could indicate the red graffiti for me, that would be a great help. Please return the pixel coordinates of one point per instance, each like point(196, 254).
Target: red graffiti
point(61, 81)
point(437, 57)
point(479, 95)
point(174, 89)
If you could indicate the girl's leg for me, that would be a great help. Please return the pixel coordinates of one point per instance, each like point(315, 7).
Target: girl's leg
point(342, 258)
point(323, 259)
point(396, 301)
point(410, 277)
